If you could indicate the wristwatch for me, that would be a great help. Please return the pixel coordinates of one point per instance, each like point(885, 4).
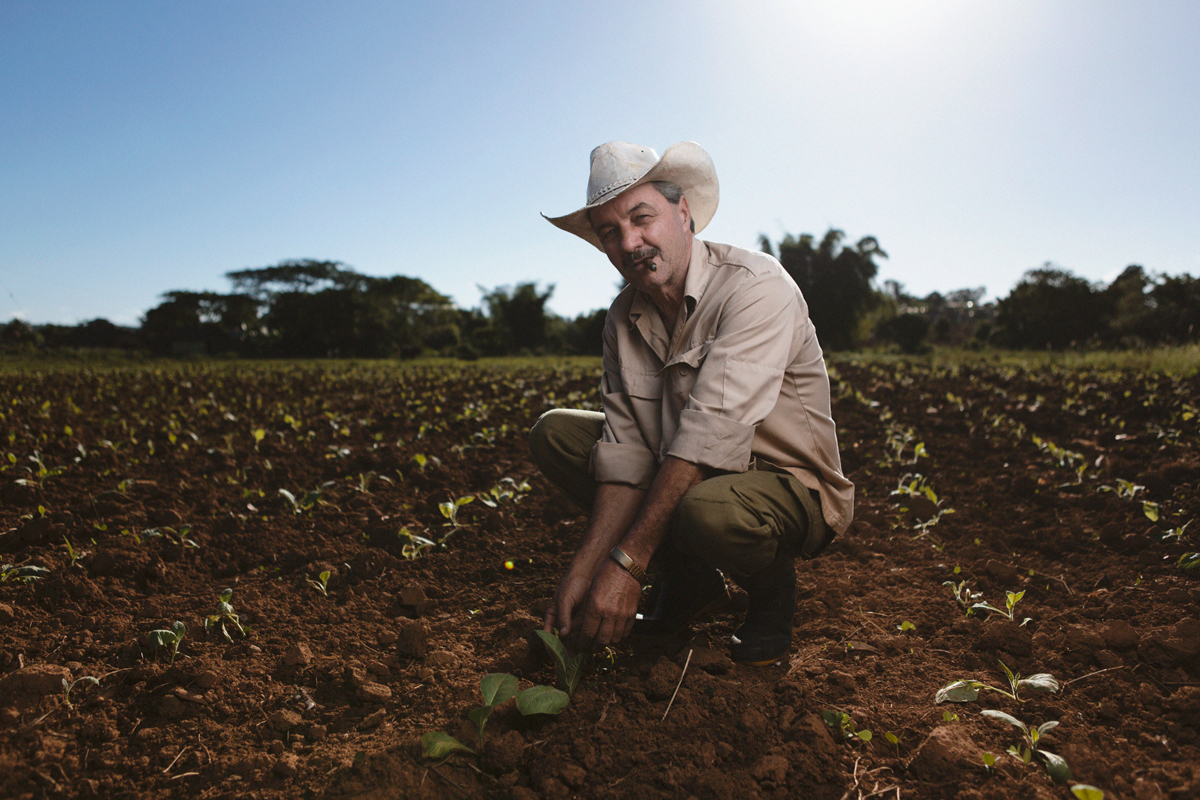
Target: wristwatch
point(628, 564)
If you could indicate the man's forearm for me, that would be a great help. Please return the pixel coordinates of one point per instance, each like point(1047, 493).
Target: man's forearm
point(636, 520)
point(613, 512)
point(644, 536)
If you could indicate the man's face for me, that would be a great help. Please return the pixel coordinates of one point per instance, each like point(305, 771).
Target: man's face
point(646, 237)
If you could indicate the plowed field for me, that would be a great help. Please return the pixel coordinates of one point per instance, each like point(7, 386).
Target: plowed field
point(130, 499)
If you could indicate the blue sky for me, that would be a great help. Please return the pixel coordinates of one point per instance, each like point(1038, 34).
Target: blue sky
point(153, 146)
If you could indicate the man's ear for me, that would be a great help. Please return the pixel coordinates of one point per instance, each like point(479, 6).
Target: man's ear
point(686, 211)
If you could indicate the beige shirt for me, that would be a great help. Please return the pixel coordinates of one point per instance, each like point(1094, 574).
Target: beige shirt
point(738, 384)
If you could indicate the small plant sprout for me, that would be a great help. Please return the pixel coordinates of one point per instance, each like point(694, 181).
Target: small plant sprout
point(840, 721)
point(224, 616)
point(965, 691)
point(949, 716)
point(1176, 534)
point(966, 598)
point(906, 626)
point(69, 685)
point(495, 688)
point(893, 740)
point(72, 552)
point(1085, 792)
point(568, 667)
point(172, 638)
point(413, 545)
point(27, 573)
point(321, 584)
point(309, 500)
point(1056, 765)
point(989, 762)
point(450, 509)
point(1189, 561)
point(1010, 602)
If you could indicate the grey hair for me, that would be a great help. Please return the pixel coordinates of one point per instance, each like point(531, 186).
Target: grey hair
point(672, 193)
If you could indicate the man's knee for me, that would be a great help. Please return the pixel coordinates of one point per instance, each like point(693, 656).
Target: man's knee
point(540, 436)
point(736, 524)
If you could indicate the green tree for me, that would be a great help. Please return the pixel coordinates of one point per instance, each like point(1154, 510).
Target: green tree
point(836, 281)
point(1049, 308)
point(518, 317)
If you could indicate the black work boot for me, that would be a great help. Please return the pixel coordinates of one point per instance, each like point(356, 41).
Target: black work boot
point(686, 588)
point(766, 633)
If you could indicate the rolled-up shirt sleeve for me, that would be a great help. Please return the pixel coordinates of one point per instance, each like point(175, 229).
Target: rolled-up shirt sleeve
point(623, 454)
point(740, 378)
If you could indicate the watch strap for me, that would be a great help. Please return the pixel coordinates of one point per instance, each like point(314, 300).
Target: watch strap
point(628, 564)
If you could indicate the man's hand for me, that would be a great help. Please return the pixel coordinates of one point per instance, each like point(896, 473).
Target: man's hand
point(610, 608)
point(567, 603)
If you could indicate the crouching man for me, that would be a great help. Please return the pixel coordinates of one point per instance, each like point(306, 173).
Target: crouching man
point(715, 453)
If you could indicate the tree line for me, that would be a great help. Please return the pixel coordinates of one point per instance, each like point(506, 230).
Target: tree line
point(324, 309)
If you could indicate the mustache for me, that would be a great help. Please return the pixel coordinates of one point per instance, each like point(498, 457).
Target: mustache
point(641, 255)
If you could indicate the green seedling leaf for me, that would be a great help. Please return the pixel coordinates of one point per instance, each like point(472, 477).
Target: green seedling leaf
point(866, 736)
point(1011, 720)
point(1057, 766)
point(440, 745)
point(1042, 682)
point(906, 626)
point(1084, 791)
point(989, 760)
point(892, 738)
point(1151, 511)
point(1046, 726)
point(497, 687)
point(1189, 560)
point(568, 667)
point(542, 700)
point(958, 692)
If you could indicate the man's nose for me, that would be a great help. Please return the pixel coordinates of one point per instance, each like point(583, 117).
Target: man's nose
point(631, 240)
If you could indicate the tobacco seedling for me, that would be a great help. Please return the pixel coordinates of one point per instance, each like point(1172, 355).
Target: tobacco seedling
point(450, 509)
point(1189, 561)
point(1085, 792)
point(69, 685)
point(506, 490)
point(27, 573)
point(966, 598)
point(309, 500)
point(1176, 534)
point(989, 762)
point(168, 638)
point(1010, 603)
point(1056, 765)
point(894, 740)
point(73, 553)
point(840, 721)
point(568, 667)
point(225, 615)
point(495, 688)
point(414, 545)
point(965, 691)
point(321, 583)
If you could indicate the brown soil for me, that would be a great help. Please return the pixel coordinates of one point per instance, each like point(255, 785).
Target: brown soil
point(327, 695)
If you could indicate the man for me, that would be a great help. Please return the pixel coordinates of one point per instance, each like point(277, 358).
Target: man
point(715, 452)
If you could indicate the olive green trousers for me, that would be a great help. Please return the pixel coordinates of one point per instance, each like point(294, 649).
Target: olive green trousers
point(738, 522)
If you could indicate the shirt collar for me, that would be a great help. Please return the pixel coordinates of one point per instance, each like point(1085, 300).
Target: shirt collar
point(698, 275)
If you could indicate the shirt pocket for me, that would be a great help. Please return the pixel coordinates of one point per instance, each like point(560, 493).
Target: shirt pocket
point(682, 370)
point(642, 385)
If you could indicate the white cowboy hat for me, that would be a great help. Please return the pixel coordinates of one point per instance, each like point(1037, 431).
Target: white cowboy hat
point(620, 166)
